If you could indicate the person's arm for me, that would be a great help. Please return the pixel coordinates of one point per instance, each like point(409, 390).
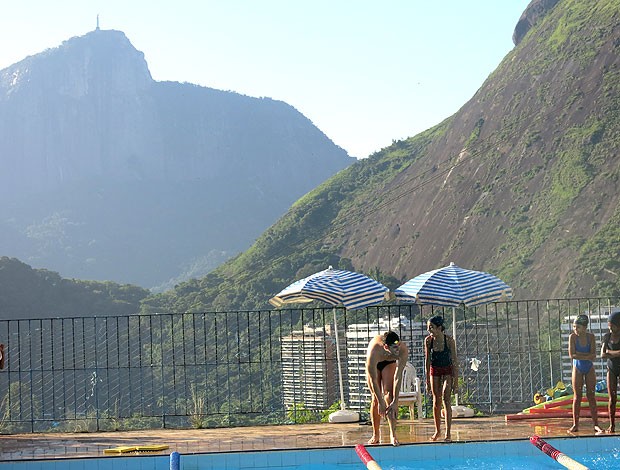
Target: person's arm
point(571, 346)
point(604, 350)
point(583, 356)
point(403, 355)
point(455, 366)
point(373, 378)
point(607, 353)
point(427, 363)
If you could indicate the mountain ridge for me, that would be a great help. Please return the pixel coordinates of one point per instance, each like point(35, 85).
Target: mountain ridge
point(85, 123)
point(504, 185)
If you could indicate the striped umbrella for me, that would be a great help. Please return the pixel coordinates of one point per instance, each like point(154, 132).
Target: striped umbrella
point(452, 286)
point(334, 287)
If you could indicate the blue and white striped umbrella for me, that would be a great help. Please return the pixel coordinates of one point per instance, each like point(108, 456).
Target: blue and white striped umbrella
point(452, 286)
point(334, 287)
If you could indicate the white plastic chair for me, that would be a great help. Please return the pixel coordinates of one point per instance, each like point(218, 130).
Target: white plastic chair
point(411, 391)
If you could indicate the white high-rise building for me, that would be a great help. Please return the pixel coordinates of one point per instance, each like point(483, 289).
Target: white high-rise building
point(309, 368)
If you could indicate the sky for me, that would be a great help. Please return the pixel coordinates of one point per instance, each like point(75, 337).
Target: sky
point(365, 72)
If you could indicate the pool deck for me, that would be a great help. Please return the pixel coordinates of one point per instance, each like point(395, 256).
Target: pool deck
point(79, 445)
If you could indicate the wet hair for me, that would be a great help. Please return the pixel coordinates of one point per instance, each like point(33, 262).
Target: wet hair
point(390, 338)
point(582, 320)
point(614, 317)
point(437, 320)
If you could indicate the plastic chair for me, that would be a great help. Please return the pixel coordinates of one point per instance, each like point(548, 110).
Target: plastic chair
point(411, 391)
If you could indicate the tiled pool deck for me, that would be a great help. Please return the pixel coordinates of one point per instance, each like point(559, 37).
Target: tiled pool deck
point(77, 445)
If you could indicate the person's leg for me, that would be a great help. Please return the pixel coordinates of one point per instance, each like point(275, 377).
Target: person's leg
point(387, 379)
point(591, 394)
point(577, 382)
point(612, 391)
point(447, 405)
point(436, 391)
point(375, 419)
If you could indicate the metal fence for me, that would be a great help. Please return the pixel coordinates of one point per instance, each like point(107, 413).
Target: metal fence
point(263, 367)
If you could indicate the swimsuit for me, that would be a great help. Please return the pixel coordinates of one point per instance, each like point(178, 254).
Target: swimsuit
point(582, 365)
point(381, 365)
point(441, 361)
point(613, 364)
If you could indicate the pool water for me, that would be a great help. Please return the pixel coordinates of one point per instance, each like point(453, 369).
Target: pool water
point(594, 462)
point(597, 453)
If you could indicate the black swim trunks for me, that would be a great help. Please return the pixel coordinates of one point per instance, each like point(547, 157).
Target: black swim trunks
point(381, 365)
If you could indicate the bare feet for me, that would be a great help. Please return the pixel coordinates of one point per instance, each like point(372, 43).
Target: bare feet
point(395, 442)
point(573, 428)
point(435, 436)
point(447, 438)
point(373, 440)
point(610, 429)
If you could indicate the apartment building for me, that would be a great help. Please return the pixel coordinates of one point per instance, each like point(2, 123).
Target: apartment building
point(309, 368)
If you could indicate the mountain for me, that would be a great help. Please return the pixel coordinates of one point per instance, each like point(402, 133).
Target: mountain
point(27, 293)
point(108, 174)
point(520, 182)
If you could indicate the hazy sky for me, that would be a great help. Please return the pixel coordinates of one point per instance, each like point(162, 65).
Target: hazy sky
point(364, 72)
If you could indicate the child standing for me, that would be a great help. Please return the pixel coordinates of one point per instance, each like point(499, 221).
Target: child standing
point(442, 376)
point(582, 350)
point(611, 351)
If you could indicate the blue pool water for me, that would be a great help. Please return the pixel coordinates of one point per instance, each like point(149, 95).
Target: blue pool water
point(598, 453)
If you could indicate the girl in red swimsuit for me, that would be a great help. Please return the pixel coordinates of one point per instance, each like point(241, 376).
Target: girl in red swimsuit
point(442, 376)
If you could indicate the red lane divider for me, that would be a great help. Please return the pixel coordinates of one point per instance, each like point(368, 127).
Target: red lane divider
point(556, 455)
point(363, 454)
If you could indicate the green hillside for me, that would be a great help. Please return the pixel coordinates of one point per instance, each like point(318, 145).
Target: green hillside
point(521, 182)
point(27, 293)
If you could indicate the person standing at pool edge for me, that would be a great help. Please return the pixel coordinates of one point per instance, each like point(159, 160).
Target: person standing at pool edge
point(582, 350)
point(386, 358)
point(611, 351)
point(442, 374)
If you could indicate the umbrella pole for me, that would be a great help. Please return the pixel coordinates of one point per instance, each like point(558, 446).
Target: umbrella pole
point(456, 395)
point(342, 403)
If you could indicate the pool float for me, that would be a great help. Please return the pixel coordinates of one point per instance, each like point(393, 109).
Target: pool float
point(125, 449)
point(556, 455)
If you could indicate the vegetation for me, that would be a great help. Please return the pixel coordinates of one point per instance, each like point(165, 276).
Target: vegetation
point(39, 293)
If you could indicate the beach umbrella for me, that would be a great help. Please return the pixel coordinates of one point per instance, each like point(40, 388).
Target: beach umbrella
point(334, 287)
point(452, 286)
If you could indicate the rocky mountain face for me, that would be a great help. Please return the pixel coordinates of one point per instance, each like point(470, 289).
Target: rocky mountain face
point(520, 182)
point(110, 175)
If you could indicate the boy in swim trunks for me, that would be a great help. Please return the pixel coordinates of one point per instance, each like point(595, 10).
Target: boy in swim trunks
point(611, 351)
point(386, 358)
point(582, 350)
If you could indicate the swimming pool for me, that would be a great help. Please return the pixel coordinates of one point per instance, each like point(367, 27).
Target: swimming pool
point(596, 452)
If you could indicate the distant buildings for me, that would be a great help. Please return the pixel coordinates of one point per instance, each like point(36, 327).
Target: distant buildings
point(309, 367)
